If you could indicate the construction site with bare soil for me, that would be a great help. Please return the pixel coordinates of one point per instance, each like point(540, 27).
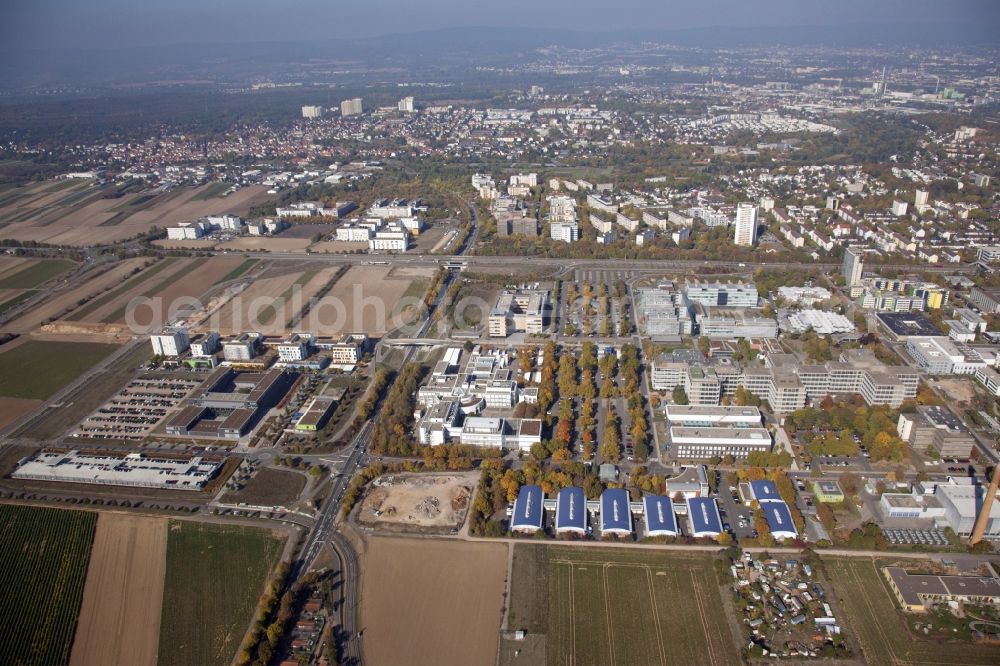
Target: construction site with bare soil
point(424, 503)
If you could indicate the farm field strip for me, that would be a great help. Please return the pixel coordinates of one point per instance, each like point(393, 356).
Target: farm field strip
point(187, 270)
point(100, 301)
point(63, 302)
point(15, 300)
point(268, 314)
point(36, 273)
point(239, 270)
point(215, 575)
point(625, 610)
point(37, 369)
point(879, 624)
point(120, 615)
point(45, 553)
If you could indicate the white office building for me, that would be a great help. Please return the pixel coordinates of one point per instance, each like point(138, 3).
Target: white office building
point(406, 104)
point(171, 342)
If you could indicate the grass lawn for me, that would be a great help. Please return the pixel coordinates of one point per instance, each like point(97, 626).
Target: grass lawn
point(35, 274)
point(38, 368)
point(239, 270)
point(45, 554)
point(879, 625)
point(603, 606)
point(215, 576)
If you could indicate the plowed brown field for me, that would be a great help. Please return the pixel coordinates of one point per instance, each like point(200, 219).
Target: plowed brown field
point(120, 617)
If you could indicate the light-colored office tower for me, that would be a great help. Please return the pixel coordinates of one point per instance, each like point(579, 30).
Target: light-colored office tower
point(351, 107)
point(853, 265)
point(920, 198)
point(746, 224)
point(406, 105)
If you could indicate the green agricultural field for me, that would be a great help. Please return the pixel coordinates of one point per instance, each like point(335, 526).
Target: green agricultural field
point(39, 368)
point(878, 622)
point(215, 576)
point(45, 556)
point(37, 273)
point(17, 300)
point(613, 606)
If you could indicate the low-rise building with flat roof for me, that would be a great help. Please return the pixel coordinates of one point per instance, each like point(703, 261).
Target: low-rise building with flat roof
point(918, 592)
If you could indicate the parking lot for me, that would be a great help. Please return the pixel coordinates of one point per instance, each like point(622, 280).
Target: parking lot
point(133, 412)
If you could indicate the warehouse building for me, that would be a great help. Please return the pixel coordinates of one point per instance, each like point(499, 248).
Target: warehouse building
point(571, 511)
point(616, 514)
point(779, 519)
point(703, 517)
point(659, 514)
point(961, 499)
point(109, 469)
point(529, 510)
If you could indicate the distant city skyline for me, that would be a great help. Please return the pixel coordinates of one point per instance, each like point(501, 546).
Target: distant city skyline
point(47, 24)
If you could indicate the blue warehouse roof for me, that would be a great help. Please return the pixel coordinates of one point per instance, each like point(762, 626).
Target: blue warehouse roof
point(616, 514)
point(765, 490)
point(659, 511)
point(704, 515)
point(571, 510)
point(528, 509)
point(779, 519)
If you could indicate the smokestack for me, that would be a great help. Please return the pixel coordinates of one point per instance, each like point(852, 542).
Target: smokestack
point(984, 513)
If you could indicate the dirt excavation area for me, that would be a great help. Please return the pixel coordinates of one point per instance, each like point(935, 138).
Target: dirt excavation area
point(427, 602)
point(120, 616)
point(424, 501)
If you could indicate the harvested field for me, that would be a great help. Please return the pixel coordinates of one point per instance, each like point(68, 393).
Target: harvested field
point(367, 300)
point(270, 244)
point(174, 296)
point(45, 554)
point(60, 304)
point(458, 588)
point(110, 306)
point(36, 369)
point(11, 409)
point(81, 215)
point(120, 616)
point(418, 500)
point(243, 311)
point(214, 578)
point(193, 206)
point(616, 606)
point(878, 623)
point(339, 247)
point(10, 265)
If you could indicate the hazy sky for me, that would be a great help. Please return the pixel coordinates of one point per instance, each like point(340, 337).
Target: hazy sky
point(125, 23)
